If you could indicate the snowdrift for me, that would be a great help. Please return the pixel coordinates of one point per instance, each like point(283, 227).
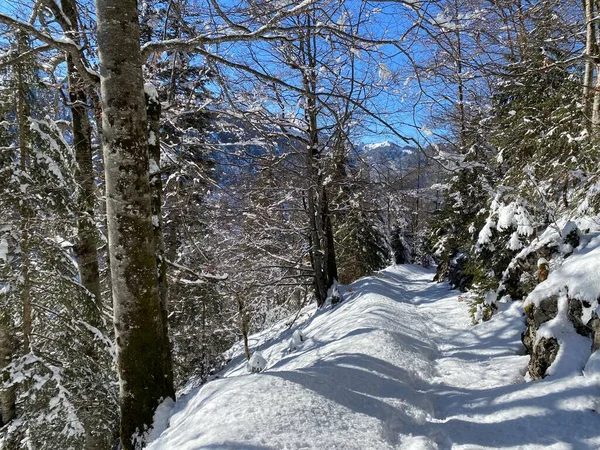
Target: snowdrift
point(397, 365)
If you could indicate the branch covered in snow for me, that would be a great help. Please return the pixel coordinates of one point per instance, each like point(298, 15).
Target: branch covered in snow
point(61, 43)
point(199, 275)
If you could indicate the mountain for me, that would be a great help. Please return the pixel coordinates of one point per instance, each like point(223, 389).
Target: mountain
point(390, 153)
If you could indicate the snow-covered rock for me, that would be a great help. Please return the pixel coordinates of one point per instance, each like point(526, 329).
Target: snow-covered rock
point(592, 368)
point(562, 310)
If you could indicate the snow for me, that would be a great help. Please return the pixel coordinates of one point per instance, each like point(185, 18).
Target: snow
point(574, 349)
point(592, 368)
point(513, 214)
point(377, 145)
point(384, 72)
point(65, 40)
point(490, 297)
point(396, 365)
point(151, 92)
point(515, 242)
point(485, 235)
point(257, 363)
point(297, 340)
point(4, 250)
point(161, 419)
point(578, 274)
point(384, 145)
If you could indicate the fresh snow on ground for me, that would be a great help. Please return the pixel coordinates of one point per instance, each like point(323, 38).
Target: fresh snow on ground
point(396, 365)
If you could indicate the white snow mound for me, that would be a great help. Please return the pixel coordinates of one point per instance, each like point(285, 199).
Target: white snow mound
point(257, 363)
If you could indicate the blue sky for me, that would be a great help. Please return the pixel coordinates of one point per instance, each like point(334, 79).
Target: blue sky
point(398, 100)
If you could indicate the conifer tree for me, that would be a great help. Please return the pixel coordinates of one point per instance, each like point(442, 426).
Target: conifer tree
point(60, 361)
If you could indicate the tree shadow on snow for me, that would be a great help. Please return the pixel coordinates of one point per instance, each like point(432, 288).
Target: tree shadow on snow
point(236, 446)
point(361, 383)
point(368, 385)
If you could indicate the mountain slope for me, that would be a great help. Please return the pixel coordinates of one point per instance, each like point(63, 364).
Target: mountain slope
point(397, 365)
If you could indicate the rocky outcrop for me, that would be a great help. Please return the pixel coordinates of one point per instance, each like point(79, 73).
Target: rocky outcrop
point(543, 351)
point(536, 316)
point(594, 325)
point(575, 314)
point(543, 356)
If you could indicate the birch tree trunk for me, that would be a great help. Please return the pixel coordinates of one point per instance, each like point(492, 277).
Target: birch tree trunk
point(142, 346)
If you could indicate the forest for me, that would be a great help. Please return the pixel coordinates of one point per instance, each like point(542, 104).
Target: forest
point(176, 175)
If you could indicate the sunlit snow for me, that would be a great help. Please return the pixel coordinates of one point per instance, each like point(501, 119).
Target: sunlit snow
point(396, 365)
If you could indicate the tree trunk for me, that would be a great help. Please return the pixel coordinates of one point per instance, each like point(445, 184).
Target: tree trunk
point(596, 105)
point(332, 272)
point(153, 110)
point(86, 250)
point(315, 193)
point(142, 346)
point(316, 252)
point(24, 210)
point(322, 247)
point(458, 55)
point(244, 324)
point(590, 51)
point(7, 347)
point(322, 251)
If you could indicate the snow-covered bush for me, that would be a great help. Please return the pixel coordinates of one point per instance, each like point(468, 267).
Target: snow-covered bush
point(257, 363)
point(298, 338)
point(334, 295)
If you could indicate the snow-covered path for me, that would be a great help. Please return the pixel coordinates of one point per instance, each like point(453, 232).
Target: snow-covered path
point(397, 365)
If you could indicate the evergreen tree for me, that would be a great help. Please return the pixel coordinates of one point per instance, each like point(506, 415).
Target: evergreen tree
point(60, 363)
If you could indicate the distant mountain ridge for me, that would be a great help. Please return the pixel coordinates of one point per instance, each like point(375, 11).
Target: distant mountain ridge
point(388, 146)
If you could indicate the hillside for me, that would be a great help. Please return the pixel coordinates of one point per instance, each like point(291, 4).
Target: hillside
point(397, 365)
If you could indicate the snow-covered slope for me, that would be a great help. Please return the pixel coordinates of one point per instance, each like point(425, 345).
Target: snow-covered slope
point(397, 365)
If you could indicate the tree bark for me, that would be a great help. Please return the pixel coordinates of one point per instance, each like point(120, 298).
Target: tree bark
point(7, 347)
point(24, 210)
point(332, 271)
point(458, 63)
point(590, 46)
point(141, 343)
point(315, 203)
point(322, 247)
point(316, 251)
point(153, 110)
point(596, 105)
point(85, 250)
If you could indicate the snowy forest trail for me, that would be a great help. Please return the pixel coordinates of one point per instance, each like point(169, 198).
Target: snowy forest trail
point(397, 365)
